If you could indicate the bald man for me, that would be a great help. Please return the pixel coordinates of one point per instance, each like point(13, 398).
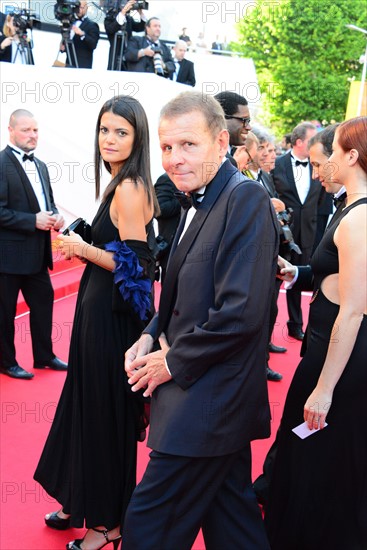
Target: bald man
point(184, 73)
point(27, 216)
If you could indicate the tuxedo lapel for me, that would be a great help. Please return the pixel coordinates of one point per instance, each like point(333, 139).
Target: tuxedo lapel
point(33, 202)
point(179, 254)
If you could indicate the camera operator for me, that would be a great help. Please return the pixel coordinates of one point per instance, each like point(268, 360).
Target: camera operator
point(116, 21)
point(15, 46)
point(147, 54)
point(84, 35)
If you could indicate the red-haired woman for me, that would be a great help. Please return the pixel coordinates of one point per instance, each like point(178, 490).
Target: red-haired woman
point(318, 491)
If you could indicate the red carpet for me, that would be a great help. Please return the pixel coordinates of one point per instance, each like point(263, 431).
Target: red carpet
point(27, 409)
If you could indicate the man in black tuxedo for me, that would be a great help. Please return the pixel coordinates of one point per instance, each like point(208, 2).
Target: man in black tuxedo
point(27, 214)
point(148, 54)
point(184, 72)
point(209, 394)
point(85, 36)
point(125, 24)
point(298, 190)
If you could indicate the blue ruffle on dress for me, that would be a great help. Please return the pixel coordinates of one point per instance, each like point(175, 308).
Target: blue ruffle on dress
point(128, 276)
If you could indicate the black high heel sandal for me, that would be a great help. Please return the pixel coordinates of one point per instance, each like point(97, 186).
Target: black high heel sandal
point(54, 521)
point(75, 545)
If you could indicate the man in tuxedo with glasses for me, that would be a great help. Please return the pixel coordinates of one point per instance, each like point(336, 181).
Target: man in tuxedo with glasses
point(27, 215)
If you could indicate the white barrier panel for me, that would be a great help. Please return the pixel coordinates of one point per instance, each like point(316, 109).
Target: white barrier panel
point(66, 103)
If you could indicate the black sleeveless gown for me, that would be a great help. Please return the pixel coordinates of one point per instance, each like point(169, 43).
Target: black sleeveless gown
point(89, 460)
point(318, 491)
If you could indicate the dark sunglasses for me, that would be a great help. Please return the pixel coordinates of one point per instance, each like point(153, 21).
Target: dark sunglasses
point(245, 121)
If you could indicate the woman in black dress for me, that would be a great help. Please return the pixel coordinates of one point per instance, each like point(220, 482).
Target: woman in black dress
point(89, 460)
point(318, 490)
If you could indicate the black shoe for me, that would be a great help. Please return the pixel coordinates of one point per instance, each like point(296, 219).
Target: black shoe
point(276, 349)
point(297, 333)
point(54, 364)
point(54, 521)
point(76, 544)
point(17, 372)
point(272, 375)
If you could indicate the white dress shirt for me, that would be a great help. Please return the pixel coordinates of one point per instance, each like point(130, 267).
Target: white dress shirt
point(301, 177)
point(30, 169)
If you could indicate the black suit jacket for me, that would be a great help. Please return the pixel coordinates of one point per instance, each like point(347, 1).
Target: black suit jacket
point(112, 27)
point(145, 64)
point(268, 183)
point(186, 74)
point(169, 206)
point(84, 46)
point(304, 215)
point(214, 309)
point(23, 248)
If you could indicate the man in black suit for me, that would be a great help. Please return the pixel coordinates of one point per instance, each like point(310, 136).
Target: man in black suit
point(217, 46)
point(27, 214)
point(209, 396)
point(148, 54)
point(298, 190)
point(184, 72)
point(120, 22)
point(85, 35)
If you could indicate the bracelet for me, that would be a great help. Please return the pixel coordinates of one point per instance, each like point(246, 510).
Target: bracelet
point(142, 52)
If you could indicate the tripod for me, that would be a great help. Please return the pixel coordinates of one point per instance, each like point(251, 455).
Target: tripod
point(71, 53)
point(24, 50)
point(119, 42)
point(69, 46)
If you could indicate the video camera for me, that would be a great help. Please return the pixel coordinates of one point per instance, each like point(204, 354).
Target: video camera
point(22, 20)
point(115, 6)
point(66, 11)
point(286, 236)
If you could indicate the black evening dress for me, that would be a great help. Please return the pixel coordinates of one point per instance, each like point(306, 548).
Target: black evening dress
point(318, 490)
point(89, 460)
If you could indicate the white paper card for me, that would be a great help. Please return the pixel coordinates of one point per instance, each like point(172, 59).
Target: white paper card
point(303, 430)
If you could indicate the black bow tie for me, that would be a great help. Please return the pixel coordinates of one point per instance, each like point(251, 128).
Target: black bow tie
point(302, 163)
point(339, 200)
point(187, 201)
point(28, 157)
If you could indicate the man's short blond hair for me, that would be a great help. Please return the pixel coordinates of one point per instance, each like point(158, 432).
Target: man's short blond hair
point(189, 102)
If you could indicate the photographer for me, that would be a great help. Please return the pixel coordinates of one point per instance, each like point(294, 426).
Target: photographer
point(84, 35)
point(148, 54)
point(116, 21)
point(14, 43)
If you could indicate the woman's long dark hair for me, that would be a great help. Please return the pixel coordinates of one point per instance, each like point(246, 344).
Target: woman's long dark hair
point(137, 166)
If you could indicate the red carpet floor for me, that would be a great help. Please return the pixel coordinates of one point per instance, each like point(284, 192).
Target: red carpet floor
point(27, 410)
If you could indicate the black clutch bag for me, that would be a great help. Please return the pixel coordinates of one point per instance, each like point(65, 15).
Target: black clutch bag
point(82, 228)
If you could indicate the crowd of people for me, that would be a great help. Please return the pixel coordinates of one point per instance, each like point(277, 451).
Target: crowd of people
point(127, 52)
point(196, 370)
